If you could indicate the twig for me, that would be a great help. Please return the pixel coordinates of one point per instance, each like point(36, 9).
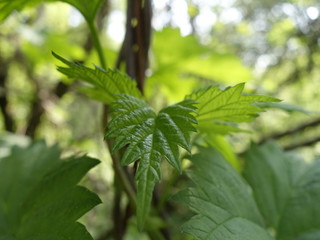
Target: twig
point(295, 130)
point(306, 143)
point(8, 119)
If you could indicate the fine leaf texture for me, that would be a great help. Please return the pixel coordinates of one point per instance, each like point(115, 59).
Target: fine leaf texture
point(87, 8)
point(149, 137)
point(287, 191)
point(39, 196)
point(218, 109)
point(105, 84)
point(224, 207)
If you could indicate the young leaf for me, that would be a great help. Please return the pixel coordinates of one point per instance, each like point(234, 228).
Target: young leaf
point(218, 108)
point(39, 195)
point(149, 138)
point(87, 8)
point(222, 201)
point(287, 191)
point(106, 84)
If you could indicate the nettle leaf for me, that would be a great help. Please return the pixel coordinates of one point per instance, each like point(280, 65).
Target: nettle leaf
point(105, 84)
point(87, 8)
point(149, 137)
point(218, 109)
point(39, 196)
point(224, 206)
point(287, 191)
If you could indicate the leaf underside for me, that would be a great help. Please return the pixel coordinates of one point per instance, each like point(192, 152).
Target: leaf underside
point(39, 196)
point(149, 137)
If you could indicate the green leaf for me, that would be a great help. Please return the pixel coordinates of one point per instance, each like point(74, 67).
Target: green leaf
point(221, 200)
point(218, 108)
point(219, 143)
point(287, 191)
point(87, 8)
point(105, 84)
point(39, 195)
point(284, 106)
point(186, 63)
point(149, 137)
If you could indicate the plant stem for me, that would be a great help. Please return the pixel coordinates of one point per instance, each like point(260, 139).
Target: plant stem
point(97, 43)
point(125, 182)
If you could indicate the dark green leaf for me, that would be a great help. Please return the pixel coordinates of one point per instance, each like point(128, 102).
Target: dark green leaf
point(39, 195)
point(149, 138)
point(222, 201)
point(183, 65)
point(287, 191)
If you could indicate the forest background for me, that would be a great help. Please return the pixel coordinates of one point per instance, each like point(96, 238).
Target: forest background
point(272, 46)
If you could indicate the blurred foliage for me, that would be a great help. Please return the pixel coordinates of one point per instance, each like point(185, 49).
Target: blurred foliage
point(184, 64)
point(271, 45)
point(87, 9)
point(40, 199)
point(281, 202)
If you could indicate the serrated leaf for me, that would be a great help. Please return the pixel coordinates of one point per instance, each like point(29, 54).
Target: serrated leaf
point(39, 196)
point(87, 8)
point(221, 200)
point(287, 191)
point(217, 107)
point(105, 84)
point(149, 137)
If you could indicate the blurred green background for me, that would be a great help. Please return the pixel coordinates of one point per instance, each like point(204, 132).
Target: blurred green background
point(271, 45)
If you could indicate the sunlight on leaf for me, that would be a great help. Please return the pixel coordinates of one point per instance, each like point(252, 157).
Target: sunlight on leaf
point(223, 107)
point(180, 67)
point(87, 8)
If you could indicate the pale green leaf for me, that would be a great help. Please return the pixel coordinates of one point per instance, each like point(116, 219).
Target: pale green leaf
point(39, 195)
point(287, 191)
point(87, 8)
point(187, 63)
point(104, 84)
point(284, 106)
point(149, 137)
point(219, 143)
point(217, 107)
point(224, 207)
